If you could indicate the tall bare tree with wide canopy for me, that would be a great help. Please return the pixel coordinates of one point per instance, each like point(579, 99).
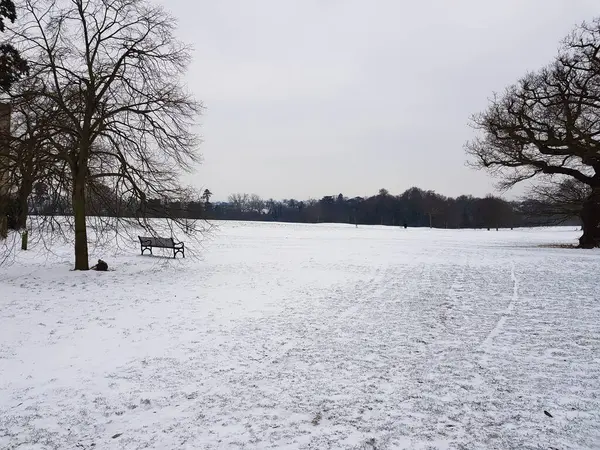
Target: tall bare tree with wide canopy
point(548, 126)
point(111, 72)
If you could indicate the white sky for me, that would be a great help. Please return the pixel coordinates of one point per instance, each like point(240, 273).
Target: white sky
point(306, 98)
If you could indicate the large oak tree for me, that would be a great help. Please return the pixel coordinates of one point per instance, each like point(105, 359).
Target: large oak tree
point(547, 125)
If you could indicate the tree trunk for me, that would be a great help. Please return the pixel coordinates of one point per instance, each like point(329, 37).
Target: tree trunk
point(78, 197)
point(3, 219)
point(590, 219)
point(3, 225)
point(23, 197)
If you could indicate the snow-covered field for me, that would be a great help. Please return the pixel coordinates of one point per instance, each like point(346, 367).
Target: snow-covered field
point(306, 336)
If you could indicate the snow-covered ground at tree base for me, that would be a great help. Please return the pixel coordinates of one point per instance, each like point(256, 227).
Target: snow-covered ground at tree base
point(306, 337)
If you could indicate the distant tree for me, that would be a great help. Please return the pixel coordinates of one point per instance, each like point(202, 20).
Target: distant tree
point(256, 204)
point(556, 202)
point(413, 200)
point(239, 202)
point(301, 208)
point(293, 206)
point(102, 199)
point(341, 210)
point(326, 209)
point(384, 207)
point(196, 209)
point(491, 212)
point(41, 195)
point(354, 206)
point(464, 208)
point(434, 205)
point(274, 209)
point(155, 207)
point(206, 195)
point(547, 125)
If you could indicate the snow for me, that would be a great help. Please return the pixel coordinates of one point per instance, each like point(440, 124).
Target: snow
point(306, 336)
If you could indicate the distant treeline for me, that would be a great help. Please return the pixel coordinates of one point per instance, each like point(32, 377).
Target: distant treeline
point(413, 208)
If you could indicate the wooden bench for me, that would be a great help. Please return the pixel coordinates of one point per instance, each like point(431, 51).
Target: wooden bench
point(147, 243)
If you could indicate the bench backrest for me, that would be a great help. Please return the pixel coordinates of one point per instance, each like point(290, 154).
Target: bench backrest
point(157, 242)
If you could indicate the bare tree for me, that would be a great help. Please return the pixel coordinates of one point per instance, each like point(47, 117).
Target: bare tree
point(111, 71)
point(27, 158)
point(239, 202)
point(256, 204)
point(556, 202)
point(548, 125)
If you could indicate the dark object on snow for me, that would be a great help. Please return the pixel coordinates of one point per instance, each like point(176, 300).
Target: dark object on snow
point(101, 266)
point(146, 243)
point(24, 236)
point(405, 226)
point(117, 435)
point(548, 414)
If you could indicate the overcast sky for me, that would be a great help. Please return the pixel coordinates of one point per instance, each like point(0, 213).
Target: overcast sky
point(306, 98)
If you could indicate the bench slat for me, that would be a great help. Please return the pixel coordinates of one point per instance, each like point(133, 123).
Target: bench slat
point(157, 242)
